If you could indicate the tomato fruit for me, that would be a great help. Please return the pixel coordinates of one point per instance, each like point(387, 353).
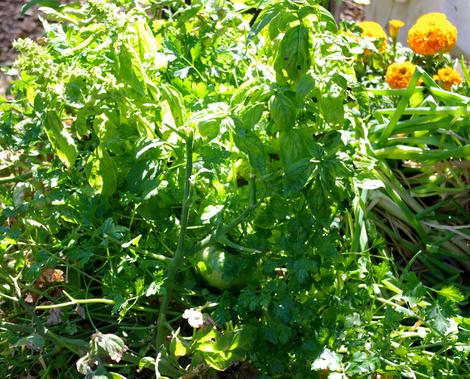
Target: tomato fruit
point(220, 269)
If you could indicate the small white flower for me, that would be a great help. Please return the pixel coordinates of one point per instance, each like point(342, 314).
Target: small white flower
point(194, 317)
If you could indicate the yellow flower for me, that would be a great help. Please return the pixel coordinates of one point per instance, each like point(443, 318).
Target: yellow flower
point(431, 18)
point(447, 77)
point(374, 30)
point(399, 74)
point(432, 34)
point(394, 27)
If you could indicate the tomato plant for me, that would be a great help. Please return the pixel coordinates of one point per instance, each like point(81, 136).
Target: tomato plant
point(149, 141)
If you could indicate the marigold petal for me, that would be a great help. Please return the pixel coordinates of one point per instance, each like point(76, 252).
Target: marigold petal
point(447, 77)
point(398, 75)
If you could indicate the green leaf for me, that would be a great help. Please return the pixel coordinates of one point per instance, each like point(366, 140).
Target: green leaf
point(101, 172)
point(362, 97)
point(416, 99)
point(295, 156)
point(266, 17)
point(252, 114)
point(248, 142)
point(332, 108)
point(329, 20)
point(46, 3)
point(53, 14)
point(319, 204)
point(60, 139)
point(283, 111)
point(221, 350)
point(451, 293)
point(293, 147)
point(81, 255)
point(188, 13)
point(147, 42)
point(130, 68)
point(362, 364)
point(293, 57)
point(440, 317)
point(175, 101)
point(178, 348)
point(33, 342)
point(80, 46)
point(328, 360)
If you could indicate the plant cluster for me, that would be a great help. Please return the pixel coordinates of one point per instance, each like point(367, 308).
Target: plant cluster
point(209, 190)
point(427, 86)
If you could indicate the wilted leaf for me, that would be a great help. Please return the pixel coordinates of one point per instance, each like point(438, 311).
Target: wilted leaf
point(109, 345)
point(34, 342)
point(54, 317)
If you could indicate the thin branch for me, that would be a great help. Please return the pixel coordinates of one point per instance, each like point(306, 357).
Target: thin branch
point(221, 230)
point(15, 178)
point(175, 263)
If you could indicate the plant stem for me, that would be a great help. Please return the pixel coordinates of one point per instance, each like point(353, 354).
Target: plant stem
point(402, 105)
point(179, 253)
point(75, 302)
point(221, 230)
point(15, 178)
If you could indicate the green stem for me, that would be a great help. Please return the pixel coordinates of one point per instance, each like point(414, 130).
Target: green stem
point(405, 152)
point(147, 253)
point(235, 246)
point(175, 263)
point(394, 48)
point(75, 302)
point(402, 104)
point(461, 110)
point(8, 297)
point(15, 178)
point(410, 263)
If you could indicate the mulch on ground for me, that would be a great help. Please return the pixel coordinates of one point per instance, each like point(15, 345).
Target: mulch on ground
point(13, 25)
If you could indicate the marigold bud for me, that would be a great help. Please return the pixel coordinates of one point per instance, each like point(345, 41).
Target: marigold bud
point(394, 27)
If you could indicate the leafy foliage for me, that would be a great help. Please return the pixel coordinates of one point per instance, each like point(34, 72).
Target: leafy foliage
point(140, 139)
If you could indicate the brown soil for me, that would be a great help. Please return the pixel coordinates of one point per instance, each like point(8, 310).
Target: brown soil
point(13, 25)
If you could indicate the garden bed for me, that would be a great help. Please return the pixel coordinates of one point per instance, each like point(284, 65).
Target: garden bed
point(206, 191)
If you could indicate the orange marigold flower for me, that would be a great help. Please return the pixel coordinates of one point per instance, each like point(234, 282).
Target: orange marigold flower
point(394, 27)
point(432, 34)
point(399, 74)
point(374, 30)
point(447, 77)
